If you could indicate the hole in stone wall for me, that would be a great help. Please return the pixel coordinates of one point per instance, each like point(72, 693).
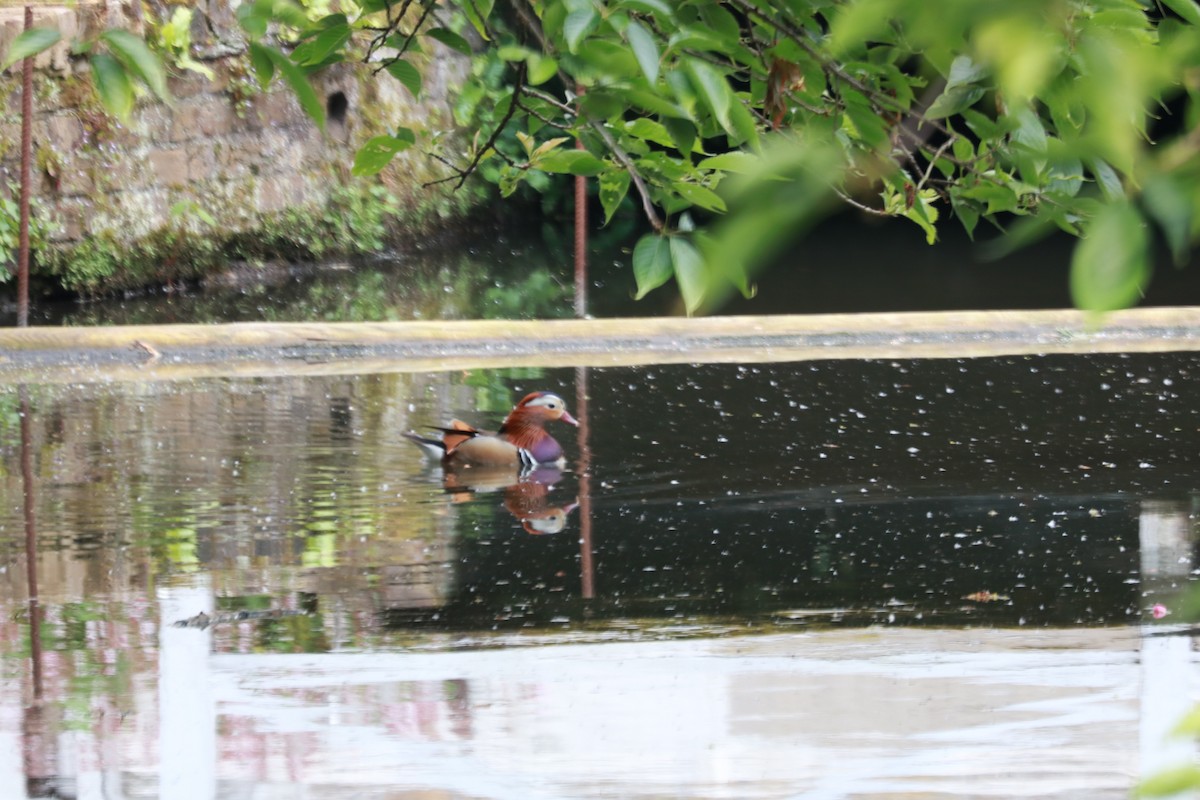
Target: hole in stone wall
point(336, 106)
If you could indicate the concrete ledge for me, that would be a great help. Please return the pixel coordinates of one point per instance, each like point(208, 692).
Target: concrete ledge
point(164, 352)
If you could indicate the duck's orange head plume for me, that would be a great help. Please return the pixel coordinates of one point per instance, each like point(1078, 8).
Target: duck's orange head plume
point(525, 427)
point(538, 408)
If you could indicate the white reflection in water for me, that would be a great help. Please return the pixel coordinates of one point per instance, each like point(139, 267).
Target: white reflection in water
point(835, 714)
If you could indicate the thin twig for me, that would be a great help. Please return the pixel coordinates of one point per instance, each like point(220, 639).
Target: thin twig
point(490, 144)
point(860, 206)
point(933, 162)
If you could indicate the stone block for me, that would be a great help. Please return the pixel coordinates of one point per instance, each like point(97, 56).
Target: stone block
point(277, 192)
point(234, 160)
point(74, 180)
point(187, 84)
point(170, 167)
point(183, 122)
point(202, 161)
point(217, 117)
point(65, 132)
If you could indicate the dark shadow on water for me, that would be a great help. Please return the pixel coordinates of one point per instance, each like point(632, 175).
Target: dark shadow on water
point(1001, 491)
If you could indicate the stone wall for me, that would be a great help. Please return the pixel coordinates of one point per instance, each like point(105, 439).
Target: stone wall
point(224, 147)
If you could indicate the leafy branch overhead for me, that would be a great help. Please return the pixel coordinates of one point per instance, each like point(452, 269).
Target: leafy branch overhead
point(731, 126)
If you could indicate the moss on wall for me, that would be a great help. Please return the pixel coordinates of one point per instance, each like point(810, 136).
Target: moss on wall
point(227, 172)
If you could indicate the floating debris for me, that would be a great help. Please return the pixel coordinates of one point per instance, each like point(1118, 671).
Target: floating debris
point(203, 620)
point(986, 597)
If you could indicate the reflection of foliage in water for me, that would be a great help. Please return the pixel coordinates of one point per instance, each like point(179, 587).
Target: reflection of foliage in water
point(491, 282)
point(299, 633)
point(89, 652)
point(494, 395)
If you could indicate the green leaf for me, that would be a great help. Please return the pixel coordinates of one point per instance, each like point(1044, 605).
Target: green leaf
point(651, 263)
point(857, 22)
point(735, 161)
point(744, 126)
point(964, 70)
point(579, 23)
point(378, 151)
point(699, 195)
point(614, 185)
point(408, 75)
point(317, 50)
point(30, 43)
point(1187, 9)
point(1170, 782)
point(645, 49)
point(954, 100)
point(286, 12)
point(925, 214)
point(112, 85)
point(262, 63)
point(714, 90)
point(303, 90)
point(541, 69)
point(682, 132)
point(963, 149)
point(1107, 179)
point(961, 90)
point(1110, 266)
point(253, 19)
point(1189, 725)
point(572, 162)
point(450, 39)
point(967, 213)
point(865, 124)
point(721, 22)
point(137, 59)
point(690, 272)
point(651, 131)
point(606, 59)
point(659, 8)
point(602, 104)
point(1171, 207)
point(477, 12)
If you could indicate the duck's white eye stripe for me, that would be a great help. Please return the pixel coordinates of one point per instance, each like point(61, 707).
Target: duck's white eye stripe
point(547, 400)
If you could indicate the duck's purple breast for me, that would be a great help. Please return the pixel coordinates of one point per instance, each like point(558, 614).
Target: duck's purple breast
point(546, 450)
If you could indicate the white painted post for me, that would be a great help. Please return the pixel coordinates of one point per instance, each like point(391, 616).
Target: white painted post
point(187, 711)
point(1166, 535)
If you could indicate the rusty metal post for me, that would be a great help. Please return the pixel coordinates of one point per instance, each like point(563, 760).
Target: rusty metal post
point(580, 236)
point(26, 180)
point(586, 563)
point(31, 560)
point(587, 567)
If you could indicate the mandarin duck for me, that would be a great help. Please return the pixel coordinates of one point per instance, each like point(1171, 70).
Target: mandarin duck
point(522, 440)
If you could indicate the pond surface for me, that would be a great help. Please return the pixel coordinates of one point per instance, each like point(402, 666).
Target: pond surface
point(822, 579)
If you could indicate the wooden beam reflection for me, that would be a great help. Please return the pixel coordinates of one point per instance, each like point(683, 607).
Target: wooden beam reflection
point(37, 742)
point(586, 566)
point(31, 559)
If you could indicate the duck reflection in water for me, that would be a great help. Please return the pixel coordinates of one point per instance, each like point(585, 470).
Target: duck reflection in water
point(521, 458)
point(527, 495)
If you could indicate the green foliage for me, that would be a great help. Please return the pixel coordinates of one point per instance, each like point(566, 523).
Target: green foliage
point(40, 227)
point(1029, 115)
point(119, 60)
point(378, 152)
point(173, 38)
point(355, 220)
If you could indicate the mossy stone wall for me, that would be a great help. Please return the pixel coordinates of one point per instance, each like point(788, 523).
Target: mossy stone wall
point(224, 163)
